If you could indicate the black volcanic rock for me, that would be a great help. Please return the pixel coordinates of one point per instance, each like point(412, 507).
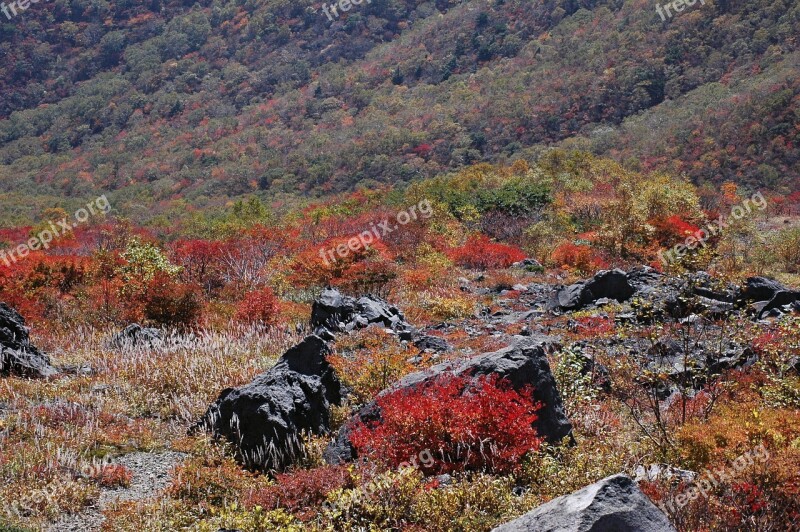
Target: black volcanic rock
point(335, 312)
point(614, 504)
point(609, 284)
point(265, 419)
point(17, 355)
point(135, 335)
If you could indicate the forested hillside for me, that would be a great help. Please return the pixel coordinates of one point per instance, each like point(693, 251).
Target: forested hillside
point(199, 102)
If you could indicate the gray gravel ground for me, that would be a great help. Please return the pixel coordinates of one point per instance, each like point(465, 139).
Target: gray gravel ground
point(150, 476)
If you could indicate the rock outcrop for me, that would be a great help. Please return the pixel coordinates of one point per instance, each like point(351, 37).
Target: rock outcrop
point(335, 312)
point(266, 418)
point(17, 355)
point(524, 363)
point(614, 504)
point(134, 335)
point(606, 284)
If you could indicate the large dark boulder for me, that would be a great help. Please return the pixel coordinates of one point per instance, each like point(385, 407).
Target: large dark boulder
point(761, 288)
point(614, 504)
point(335, 312)
point(17, 355)
point(265, 419)
point(608, 284)
point(523, 364)
point(781, 299)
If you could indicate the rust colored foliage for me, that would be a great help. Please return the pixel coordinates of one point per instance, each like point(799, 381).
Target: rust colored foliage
point(258, 306)
point(113, 476)
point(466, 425)
point(479, 252)
point(578, 257)
point(301, 491)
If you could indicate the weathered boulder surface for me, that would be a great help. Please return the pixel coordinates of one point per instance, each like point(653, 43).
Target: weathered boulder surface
point(608, 284)
point(135, 335)
point(614, 504)
point(524, 363)
point(335, 312)
point(265, 419)
point(17, 355)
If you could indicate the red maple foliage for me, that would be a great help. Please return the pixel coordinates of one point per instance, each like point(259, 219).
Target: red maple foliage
point(477, 425)
point(578, 257)
point(300, 490)
point(259, 306)
point(479, 252)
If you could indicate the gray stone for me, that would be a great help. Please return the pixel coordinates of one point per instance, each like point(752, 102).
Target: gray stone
point(614, 504)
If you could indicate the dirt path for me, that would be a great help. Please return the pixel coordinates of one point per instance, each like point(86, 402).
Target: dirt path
point(150, 476)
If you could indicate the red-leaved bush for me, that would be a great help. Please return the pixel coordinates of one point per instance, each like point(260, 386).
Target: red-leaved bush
point(480, 253)
point(301, 491)
point(465, 424)
point(578, 257)
point(259, 306)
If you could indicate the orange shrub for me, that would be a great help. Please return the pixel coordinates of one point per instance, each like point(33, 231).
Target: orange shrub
point(480, 253)
point(258, 306)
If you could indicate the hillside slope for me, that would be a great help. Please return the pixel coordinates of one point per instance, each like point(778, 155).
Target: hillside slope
point(165, 100)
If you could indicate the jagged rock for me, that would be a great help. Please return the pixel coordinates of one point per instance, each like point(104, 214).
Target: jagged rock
point(655, 472)
point(434, 343)
point(614, 504)
point(761, 288)
point(643, 278)
point(524, 363)
point(134, 335)
point(265, 418)
point(338, 313)
point(609, 284)
point(531, 265)
point(780, 299)
point(17, 355)
point(693, 368)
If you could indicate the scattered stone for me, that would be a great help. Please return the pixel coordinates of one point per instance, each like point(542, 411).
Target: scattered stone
point(606, 284)
point(266, 418)
point(18, 356)
point(134, 335)
point(335, 312)
point(761, 288)
point(655, 472)
point(529, 264)
point(614, 504)
point(432, 343)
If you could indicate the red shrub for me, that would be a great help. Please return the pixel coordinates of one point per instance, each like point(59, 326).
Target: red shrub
point(168, 302)
point(302, 489)
point(578, 257)
point(259, 306)
point(673, 230)
point(113, 476)
point(480, 425)
point(480, 253)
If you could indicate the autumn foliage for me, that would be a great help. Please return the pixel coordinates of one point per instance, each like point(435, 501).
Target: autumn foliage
point(258, 306)
point(480, 253)
point(480, 425)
